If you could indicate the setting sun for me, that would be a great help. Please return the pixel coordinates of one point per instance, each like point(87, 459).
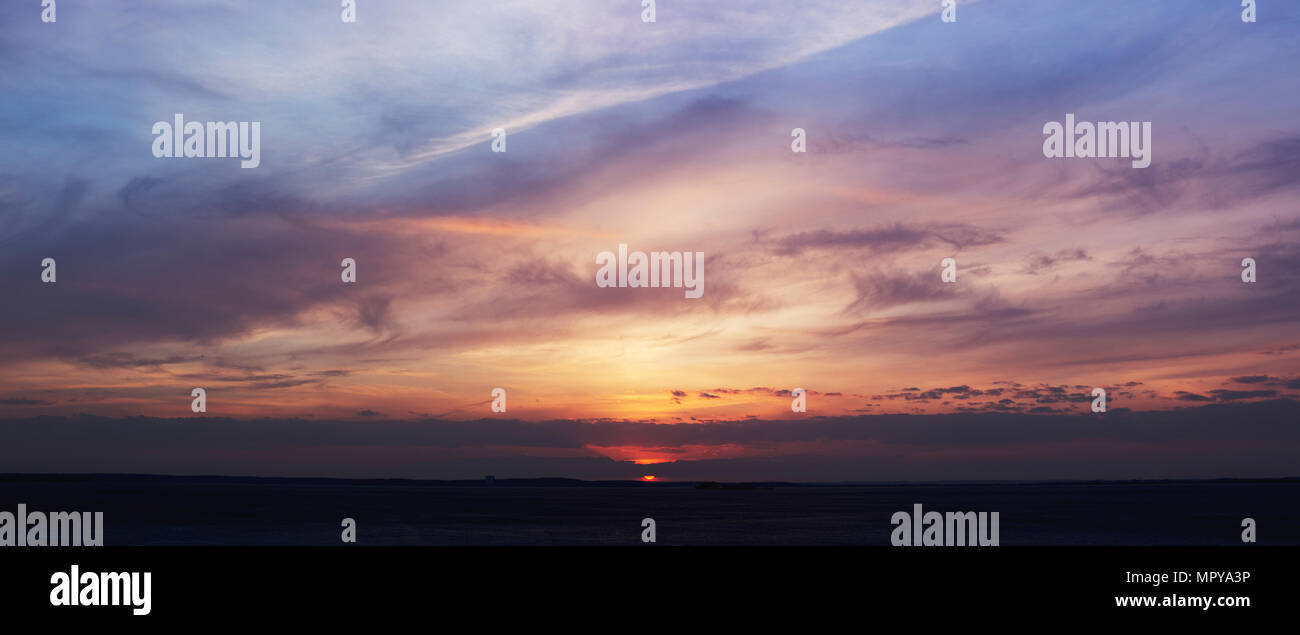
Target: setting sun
point(648, 477)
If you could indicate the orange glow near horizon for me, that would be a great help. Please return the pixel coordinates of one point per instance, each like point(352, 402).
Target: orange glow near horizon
point(648, 477)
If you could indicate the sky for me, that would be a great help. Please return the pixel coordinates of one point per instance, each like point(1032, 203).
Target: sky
point(477, 269)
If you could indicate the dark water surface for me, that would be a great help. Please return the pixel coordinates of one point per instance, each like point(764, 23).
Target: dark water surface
point(233, 511)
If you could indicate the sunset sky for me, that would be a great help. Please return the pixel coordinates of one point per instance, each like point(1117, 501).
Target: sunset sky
point(477, 269)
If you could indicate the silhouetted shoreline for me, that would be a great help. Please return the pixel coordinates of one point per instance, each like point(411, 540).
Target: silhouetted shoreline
point(573, 482)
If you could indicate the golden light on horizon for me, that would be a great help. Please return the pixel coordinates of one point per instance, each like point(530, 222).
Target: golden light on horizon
point(648, 477)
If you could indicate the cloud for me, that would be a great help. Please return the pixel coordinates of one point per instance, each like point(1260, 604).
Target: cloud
point(17, 401)
point(881, 290)
point(129, 360)
point(1041, 262)
point(473, 263)
point(888, 239)
point(1252, 379)
point(1235, 395)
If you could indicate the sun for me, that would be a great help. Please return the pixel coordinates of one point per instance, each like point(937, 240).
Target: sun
point(648, 477)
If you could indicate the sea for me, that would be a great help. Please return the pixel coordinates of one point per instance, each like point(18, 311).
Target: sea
point(143, 510)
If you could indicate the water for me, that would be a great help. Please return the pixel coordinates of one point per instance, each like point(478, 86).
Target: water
point(218, 511)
